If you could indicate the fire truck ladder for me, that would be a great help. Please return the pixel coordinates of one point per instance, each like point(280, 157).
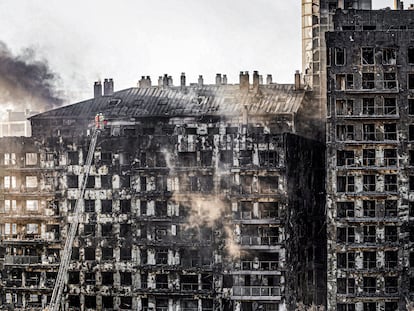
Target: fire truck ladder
point(67, 251)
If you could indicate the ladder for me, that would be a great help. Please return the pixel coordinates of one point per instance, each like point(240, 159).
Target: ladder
point(67, 251)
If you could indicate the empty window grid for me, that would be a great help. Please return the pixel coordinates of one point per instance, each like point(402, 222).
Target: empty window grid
point(346, 260)
point(345, 183)
point(390, 183)
point(368, 157)
point(369, 234)
point(345, 209)
point(345, 158)
point(369, 208)
point(369, 183)
point(370, 260)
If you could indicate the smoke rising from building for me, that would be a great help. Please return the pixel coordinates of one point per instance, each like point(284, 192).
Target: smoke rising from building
point(26, 81)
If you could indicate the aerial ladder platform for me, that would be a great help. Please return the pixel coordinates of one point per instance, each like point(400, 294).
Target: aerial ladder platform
point(56, 299)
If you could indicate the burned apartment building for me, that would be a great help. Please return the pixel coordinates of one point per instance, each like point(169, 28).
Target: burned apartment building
point(370, 179)
point(200, 197)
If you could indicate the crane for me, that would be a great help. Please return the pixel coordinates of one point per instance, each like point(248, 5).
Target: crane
point(67, 250)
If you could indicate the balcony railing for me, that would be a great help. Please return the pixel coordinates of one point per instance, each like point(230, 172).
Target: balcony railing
point(259, 291)
point(258, 240)
point(260, 265)
point(189, 286)
point(21, 260)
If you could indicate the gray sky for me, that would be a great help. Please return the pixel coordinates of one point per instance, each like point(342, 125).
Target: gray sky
point(84, 41)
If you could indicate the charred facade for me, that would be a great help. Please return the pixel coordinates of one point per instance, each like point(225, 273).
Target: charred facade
point(200, 197)
point(370, 158)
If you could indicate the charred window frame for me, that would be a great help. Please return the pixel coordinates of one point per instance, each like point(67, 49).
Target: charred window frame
point(345, 132)
point(125, 278)
point(268, 158)
point(125, 230)
point(344, 107)
point(391, 259)
point(89, 206)
point(125, 206)
point(89, 253)
point(391, 285)
point(368, 106)
point(106, 158)
point(226, 157)
point(245, 157)
point(411, 183)
point(107, 253)
point(411, 81)
point(89, 230)
point(345, 307)
point(390, 80)
point(391, 208)
point(389, 56)
point(107, 278)
point(346, 260)
point(106, 230)
point(369, 131)
point(391, 233)
point(368, 157)
point(161, 208)
point(390, 106)
point(369, 286)
point(90, 183)
point(345, 285)
point(368, 81)
point(90, 302)
point(411, 209)
point(369, 260)
point(345, 209)
point(345, 158)
point(74, 301)
point(390, 182)
point(369, 182)
point(125, 181)
point(345, 183)
point(391, 306)
point(369, 207)
point(368, 56)
point(161, 257)
point(72, 181)
point(206, 158)
point(370, 234)
point(390, 157)
point(390, 131)
point(369, 306)
point(344, 81)
point(106, 181)
point(107, 302)
point(73, 277)
point(187, 159)
point(345, 235)
point(125, 253)
point(340, 56)
point(269, 184)
point(160, 160)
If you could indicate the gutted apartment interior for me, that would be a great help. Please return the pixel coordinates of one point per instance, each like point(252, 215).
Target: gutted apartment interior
point(369, 141)
point(191, 204)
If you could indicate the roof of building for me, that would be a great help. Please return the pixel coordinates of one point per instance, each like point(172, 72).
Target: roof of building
point(187, 101)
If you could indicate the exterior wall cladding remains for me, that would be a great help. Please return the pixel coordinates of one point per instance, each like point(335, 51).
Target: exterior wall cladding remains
point(200, 198)
point(370, 178)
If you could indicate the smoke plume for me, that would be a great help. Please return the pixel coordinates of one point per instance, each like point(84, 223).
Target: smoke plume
point(27, 82)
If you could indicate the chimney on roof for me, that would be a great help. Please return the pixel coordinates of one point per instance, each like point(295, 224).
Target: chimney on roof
point(182, 80)
point(269, 79)
point(165, 80)
point(260, 79)
point(97, 89)
point(108, 87)
point(200, 80)
point(145, 82)
point(170, 81)
point(244, 81)
point(256, 81)
point(160, 81)
point(298, 85)
point(224, 79)
point(218, 79)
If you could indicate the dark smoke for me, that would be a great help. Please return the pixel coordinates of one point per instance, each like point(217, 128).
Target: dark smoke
point(26, 82)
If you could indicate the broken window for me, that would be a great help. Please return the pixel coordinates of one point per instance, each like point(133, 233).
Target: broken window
point(370, 260)
point(246, 157)
point(72, 181)
point(345, 184)
point(368, 81)
point(369, 208)
point(369, 159)
point(161, 281)
point(344, 107)
point(143, 183)
point(107, 253)
point(391, 284)
point(346, 235)
point(344, 81)
point(346, 260)
point(89, 229)
point(126, 278)
point(226, 157)
point(161, 208)
point(367, 56)
point(106, 181)
point(125, 230)
point(390, 106)
point(345, 132)
point(73, 277)
point(345, 158)
point(90, 182)
point(411, 81)
point(206, 183)
point(90, 278)
point(389, 56)
point(125, 253)
point(411, 55)
point(107, 302)
point(391, 259)
point(369, 183)
point(90, 302)
point(106, 206)
point(125, 181)
point(345, 209)
point(89, 206)
point(390, 80)
point(391, 234)
point(206, 158)
point(89, 253)
point(161, 257)
point(391, 208)
point(369, 285)
point(411, 183)
point(125, 206)
point(143, 207)
point(32, 229)
point(390, 157)
point(369, 131)
point(189, 282)
point(74, 301)
point(187, 159)
point(368, 106)
point(369, 234)
point(339, 56)
point(345, 307)
point(268, 184)
point(411, 209)
point(268, 158)
point(207, 305)
point(268, 209)
point(391, 306)
point(390, 131)
point(411, 106)
point(106, 230)
point(107, 278)
point(390, 182)
point(345, 285)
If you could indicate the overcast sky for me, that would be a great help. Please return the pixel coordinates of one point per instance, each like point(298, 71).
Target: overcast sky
point(87, 40)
